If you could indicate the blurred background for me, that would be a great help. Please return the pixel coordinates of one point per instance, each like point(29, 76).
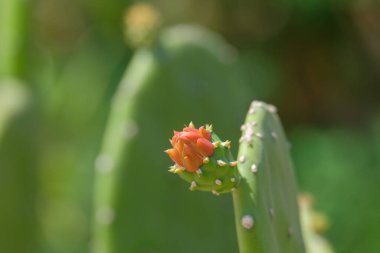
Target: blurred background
point(61, 62)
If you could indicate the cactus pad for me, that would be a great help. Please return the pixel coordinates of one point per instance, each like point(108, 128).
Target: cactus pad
point(265, 202)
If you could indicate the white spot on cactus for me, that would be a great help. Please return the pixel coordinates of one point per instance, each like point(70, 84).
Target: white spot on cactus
point(254, 168)
point(259, 135)
point(193, 185)
point(199, 172)
point(274, 135)
point(130, 130)
point(215, 192)
point(271, 212)
point(257, 104)
point(242, 159)
point(221, 163)
point(249, 140)
point(272, 108)
point(233, 189)
point(247, 221)
point(248, 132)
point(105, 215)
point(104, 163)
point(218, 182)
point(251, 110)
point(252, 124)
point(233, 164)
point(233, 180)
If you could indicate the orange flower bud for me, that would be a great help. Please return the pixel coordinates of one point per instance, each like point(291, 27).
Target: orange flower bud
point(190, 147)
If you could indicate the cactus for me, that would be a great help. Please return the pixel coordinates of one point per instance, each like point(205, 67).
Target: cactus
point(187, 73)
point(313, 224)
point(266, 211)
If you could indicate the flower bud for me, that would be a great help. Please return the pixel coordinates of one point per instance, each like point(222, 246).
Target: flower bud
point(203, 160)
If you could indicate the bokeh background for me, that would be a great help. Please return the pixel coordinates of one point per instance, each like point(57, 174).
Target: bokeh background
point(61, 62)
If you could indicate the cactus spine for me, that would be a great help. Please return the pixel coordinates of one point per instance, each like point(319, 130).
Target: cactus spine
point(266, 211)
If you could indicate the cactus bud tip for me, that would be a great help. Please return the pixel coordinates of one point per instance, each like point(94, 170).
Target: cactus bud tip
point(193, 185)
point(216, 144)
point(226, 144)
point(221, 163)
point(216, 193)
point(233, 164)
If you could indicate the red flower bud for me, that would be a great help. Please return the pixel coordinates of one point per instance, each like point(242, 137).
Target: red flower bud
point(190, 147)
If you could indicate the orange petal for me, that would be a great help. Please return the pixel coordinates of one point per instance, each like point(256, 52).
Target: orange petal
point(189, 136)
point(179, 147)
point(190, 129)
point(205, 146)
point(190, 165)
point(175, 138)
point(174, 155)
point(189, 150)
point(193, 154)
point(204, 133)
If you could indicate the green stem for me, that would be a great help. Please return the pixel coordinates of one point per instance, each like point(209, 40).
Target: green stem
point(12, 24)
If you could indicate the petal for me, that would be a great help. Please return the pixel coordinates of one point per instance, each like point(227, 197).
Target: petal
point(189, 136)
point(189, 151)
point(190, 165)
point(175, 138)
point(205, 146)
point(193, 154)
point(204, 133)
point(174, 155)
point(174, 141)
point(190, 129)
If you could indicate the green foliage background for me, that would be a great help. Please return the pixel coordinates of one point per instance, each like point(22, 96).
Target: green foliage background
point(317, 61)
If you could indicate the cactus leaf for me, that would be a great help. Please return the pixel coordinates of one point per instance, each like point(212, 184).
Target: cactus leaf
point(266, 210)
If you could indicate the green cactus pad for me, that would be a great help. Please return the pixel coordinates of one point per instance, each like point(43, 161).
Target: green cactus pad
point(266, 210)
